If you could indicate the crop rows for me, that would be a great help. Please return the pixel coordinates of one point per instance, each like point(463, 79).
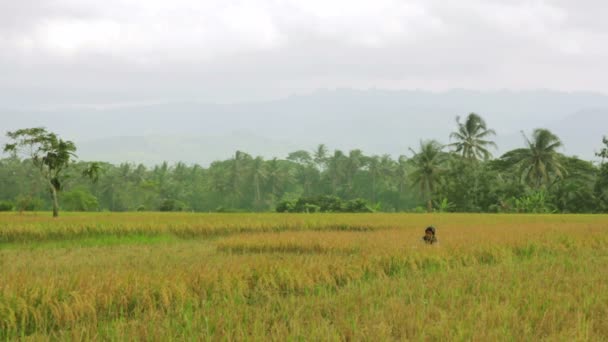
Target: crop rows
point(329, 277)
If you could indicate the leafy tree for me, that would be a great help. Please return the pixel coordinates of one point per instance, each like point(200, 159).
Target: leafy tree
point(374, 170)
point(352, 165)
point(470, 138)
point(574, 193)
point(199, 198)
point(336, 170)
point(401, 180)
point(259, 176)
point(279, 178)
point(300, 157)
point(80, 200)
point(387, 171)
point(92, 171)
point(50, 154)
point(468, 186)
point(380, 169)
point(428, 165)
point(604, 151)
point(237, 175)
point(12, 174)
point(601, 185)
point(113, 188)
point(457, 185)
point(306, 172)
point(307, 175)
point(539, 163)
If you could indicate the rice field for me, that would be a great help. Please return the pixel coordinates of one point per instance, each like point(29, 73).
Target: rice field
point(300, 277)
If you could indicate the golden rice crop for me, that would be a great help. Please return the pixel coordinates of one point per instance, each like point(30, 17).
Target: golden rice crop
point(310, 277)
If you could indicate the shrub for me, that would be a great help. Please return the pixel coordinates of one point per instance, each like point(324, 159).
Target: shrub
point(357, 205)
point(330, 204)
point(311, 208)
point(28, 203)
point(285, 207)
point(324, 204)
point(172, 205)
point(6, 206)
point(536, 202)
point(80, 200)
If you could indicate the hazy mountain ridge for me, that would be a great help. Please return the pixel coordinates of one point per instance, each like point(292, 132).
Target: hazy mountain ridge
point(376, 121)
point(190, 149)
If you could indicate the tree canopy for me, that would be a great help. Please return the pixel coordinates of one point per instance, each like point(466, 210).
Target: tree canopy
point(539, 162)
point(534, 178)
point(471, 138)
point(50, 154)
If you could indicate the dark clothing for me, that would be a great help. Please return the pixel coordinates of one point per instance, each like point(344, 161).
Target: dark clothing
point(430, 239)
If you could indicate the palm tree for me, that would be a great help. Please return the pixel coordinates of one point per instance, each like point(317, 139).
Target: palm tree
point(238, 169)
point(401, 172)
point(278, 178)
point(427, 164)
point(373, 167)
point(308, 176)
point(539, 161)
point(320, 156)
point(336, 169)
point(353, 164)
point(470, 138)
point(380, 168)
point(259, 174)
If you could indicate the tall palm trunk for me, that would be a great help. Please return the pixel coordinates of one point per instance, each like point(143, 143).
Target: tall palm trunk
point(334, 185)
point(258, 196)
point(429, 198)
point(374, 189)
point(55, 201)
point(307, 187)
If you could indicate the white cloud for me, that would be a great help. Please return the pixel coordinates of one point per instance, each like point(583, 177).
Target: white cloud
point(204, 29)
point(68, 36)
point(538, 21)
point(369, 23)
point(154, 30)
point(304, 44)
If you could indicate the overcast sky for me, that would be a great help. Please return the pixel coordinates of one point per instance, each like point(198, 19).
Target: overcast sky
point(117, 51)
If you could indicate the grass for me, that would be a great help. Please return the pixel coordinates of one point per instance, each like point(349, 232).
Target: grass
point(303, 277)
point(93, 241)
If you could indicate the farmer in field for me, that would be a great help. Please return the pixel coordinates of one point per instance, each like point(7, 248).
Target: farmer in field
point(429, 235)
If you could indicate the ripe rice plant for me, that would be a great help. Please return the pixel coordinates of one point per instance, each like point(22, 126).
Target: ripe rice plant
point(303, 277)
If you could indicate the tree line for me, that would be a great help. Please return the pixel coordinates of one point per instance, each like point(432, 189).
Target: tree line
point(43, 173)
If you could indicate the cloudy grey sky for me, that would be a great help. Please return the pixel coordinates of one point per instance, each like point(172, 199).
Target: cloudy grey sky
point(116, 51)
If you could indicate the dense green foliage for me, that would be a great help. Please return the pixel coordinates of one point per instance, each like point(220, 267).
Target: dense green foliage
point(535, 178)
point(471, 138)
point(601, 184)
point(51, 156)
point(324, 204)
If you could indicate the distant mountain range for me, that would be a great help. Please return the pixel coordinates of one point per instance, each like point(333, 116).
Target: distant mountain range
point(375, 121)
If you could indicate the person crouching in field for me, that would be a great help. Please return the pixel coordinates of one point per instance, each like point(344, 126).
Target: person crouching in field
point(429, 235)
